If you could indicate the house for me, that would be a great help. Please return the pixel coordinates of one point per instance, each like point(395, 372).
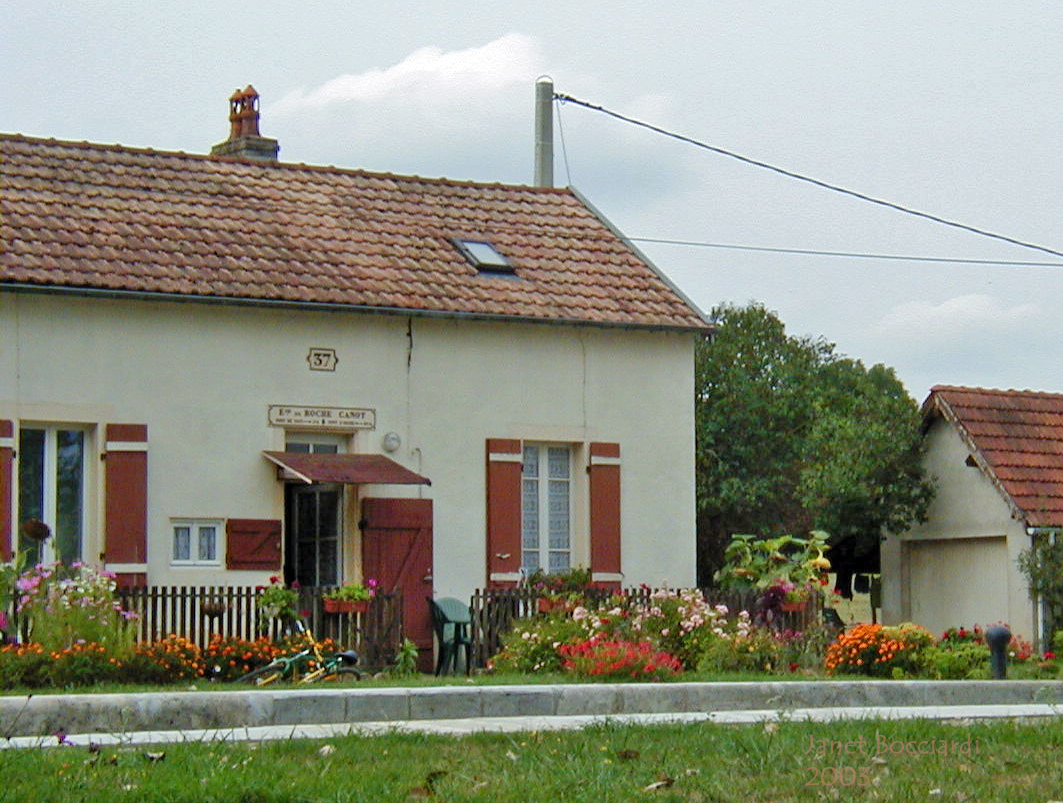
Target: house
point(997, 459)
point(216, 368)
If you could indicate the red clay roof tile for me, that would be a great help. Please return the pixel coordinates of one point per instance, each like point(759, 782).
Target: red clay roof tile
point(1019, 436)
point(87, 216)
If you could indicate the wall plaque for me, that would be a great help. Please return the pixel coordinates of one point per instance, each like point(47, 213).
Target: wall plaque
point(299, 416)
point(322, 359)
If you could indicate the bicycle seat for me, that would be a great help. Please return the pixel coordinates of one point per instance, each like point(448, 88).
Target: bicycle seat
point(348, 656)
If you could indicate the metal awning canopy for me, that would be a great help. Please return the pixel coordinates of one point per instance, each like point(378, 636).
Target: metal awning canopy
point(348, 469)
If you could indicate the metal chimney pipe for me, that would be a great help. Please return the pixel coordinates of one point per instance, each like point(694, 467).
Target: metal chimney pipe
point(544, 132)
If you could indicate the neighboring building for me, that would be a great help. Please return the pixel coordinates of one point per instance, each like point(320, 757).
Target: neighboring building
point(217, 368)
point(997, 459)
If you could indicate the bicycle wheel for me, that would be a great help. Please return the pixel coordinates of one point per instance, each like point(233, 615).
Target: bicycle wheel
point(269, 673)
point(335, 672)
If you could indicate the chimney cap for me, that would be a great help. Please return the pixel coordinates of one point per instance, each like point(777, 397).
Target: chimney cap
point(244, 138)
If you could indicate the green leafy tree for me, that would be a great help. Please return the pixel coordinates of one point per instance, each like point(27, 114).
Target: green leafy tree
point(792, 436)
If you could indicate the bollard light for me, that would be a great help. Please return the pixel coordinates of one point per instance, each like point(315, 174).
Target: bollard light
point(998, 638)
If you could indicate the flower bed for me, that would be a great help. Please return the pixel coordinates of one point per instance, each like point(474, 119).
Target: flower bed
point(656, 638)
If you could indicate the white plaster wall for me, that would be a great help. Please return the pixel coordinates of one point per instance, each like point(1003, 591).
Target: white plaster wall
point(202, 375)
point(959, 567)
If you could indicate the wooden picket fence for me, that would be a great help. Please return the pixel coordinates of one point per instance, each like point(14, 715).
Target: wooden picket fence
point(199, 613)
point(493, 611)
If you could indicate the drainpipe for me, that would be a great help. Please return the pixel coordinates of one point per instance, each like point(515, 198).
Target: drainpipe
point(544, 132)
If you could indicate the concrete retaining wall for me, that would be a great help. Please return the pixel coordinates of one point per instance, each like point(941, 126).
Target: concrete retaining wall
point(112, 713)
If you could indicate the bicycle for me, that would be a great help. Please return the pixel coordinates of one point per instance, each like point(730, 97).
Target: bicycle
point(306, 666)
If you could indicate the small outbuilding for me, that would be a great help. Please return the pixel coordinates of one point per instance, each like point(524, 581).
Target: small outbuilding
point(996, 457)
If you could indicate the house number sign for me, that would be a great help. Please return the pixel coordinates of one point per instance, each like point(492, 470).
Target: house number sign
point(322, 359)
point(331, 418)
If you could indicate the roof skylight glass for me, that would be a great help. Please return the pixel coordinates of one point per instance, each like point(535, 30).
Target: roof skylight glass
point(484, 256)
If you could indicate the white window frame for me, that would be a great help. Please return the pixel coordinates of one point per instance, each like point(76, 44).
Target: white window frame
point(315, 439)
point(194, 526)
point(543, 504)
point(49, 483)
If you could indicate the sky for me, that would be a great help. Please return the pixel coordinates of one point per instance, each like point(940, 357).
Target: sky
point(951, 108)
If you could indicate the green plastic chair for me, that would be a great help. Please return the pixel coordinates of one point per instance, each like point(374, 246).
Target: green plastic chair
point(451, 620)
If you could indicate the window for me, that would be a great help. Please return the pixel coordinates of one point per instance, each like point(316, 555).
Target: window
point(309, 443)
point(484, 256)
point(51, 488)
point(546, 509)
point(196, 542)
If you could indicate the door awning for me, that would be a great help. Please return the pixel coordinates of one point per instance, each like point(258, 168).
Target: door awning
point(349, 469)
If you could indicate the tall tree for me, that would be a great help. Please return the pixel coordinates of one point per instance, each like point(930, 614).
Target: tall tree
point(791, 436)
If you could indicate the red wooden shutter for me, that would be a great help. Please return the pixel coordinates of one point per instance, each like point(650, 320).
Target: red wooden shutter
point(7, 460)
point(504, 466)
point(604, 472)
point(253, 544)
point(126, 501)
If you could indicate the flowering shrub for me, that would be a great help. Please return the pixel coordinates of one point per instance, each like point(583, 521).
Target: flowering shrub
point(956, 659)
point(168, 661)
point(1019, 650)
point(227, 658)
point(680, 623)
point(70, 606)
point(31, 665)
point(878, 650)
point(609, 659)
point(533, 645)
point(171, 660)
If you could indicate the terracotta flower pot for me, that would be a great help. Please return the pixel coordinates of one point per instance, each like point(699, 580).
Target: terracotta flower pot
point(346, 605)
point(546, 604)
point(800, 605)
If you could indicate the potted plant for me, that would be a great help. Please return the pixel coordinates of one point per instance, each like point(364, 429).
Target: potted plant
point(277, 600)
point(351, 597)
point(795, 597)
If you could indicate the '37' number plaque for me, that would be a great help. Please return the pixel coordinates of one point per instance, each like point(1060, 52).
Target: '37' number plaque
point(322, 359)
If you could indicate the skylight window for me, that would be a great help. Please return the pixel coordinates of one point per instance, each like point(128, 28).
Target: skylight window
point(484, 256)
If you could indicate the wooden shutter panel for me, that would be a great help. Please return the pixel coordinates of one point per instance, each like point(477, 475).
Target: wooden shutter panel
point(7, 461)
point(126, 499)
point(253, 544)
point(604, 472)
point(504, 466)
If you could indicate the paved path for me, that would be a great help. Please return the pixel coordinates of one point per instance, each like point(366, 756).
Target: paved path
point(318, 714)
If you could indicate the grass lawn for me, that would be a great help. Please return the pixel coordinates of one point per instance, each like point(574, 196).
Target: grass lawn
point(784, 761)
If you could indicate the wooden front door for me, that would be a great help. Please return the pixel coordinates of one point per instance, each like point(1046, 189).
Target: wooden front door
point(397, 551)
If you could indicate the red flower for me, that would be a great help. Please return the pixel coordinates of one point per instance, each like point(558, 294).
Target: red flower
point(274, 579)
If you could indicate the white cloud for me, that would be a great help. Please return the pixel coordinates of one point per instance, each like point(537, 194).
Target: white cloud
point(955, 318)
point(431, 75)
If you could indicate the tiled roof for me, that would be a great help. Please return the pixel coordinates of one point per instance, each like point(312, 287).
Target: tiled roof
point(1017, 438)
point(87, 216)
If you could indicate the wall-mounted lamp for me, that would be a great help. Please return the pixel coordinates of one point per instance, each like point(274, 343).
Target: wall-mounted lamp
point(391, 442)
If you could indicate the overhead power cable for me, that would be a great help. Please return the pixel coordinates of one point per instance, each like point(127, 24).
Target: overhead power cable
point(789, 173)
point(849, 254)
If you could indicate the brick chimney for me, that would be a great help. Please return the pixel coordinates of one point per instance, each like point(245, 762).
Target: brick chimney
point(244, 140)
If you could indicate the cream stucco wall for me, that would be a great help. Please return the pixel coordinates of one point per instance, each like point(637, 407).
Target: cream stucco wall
point(958, 568)
point(202, 375)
